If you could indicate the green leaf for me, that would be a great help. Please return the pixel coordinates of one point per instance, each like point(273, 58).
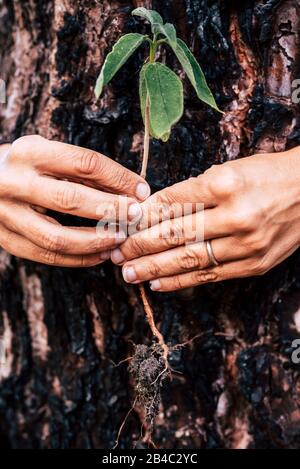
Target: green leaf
point(144, 94)
point(169, 31)
point(121, 52)
point(194, 73)
point(165, 93)
point(152, 16)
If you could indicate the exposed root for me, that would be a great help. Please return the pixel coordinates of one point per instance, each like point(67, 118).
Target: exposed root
point(123, 423)
point(149, 367)
point(187, 342)
point(149, 370)
point(116, 365)
point(155, 331)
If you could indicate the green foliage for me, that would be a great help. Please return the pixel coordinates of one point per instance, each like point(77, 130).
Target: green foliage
point(121, 52)
point(161, 91)
point(152, 16)
point(165, 93)
point(168, 30)
point(194, 73)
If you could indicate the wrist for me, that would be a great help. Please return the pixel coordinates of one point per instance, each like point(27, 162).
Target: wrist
point(293, 163)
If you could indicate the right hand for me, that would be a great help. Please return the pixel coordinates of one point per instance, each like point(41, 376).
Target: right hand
point(38, 174)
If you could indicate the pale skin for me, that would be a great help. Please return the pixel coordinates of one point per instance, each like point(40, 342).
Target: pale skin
point(251, 216)
point(38, 174)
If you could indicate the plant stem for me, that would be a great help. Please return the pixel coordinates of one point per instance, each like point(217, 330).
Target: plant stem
point(153, 49)
point(146, 140)
point(147, 307)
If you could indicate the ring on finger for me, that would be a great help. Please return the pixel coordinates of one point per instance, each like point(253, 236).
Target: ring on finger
point(210, 253)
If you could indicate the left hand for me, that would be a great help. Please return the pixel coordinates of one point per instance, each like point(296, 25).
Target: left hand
point(251, 216)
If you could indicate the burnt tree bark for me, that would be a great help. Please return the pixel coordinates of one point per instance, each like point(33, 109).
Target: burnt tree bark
point(65, 328)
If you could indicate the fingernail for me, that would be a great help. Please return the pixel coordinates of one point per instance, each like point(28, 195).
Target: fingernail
point(129, 274)
point(135, 212)
point(105, 255)
point(117, 256)
point(155, 285)
point(143, 191)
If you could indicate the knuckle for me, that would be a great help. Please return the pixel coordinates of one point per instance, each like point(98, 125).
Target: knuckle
point(49, 257)
point(177, 283)
point(153, 269)
point(173, 234)
point(68, 198)
point(135, 247)
point(87, 163)
point(203, 276)
point(167, 197)
point(95, 245)
point(172, 241)
point(224, 180)
point(22, 147)
point(121, 179)
point(53, 242)
point(188, 260)
point(109, 210)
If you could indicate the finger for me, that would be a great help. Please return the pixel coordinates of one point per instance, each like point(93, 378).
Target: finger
point(181, 260)
point(183, 198)
point(70, 161)
point(227, 271)
point(25, 249)
point(46, 233)
point(76, 199)
point(208, 224)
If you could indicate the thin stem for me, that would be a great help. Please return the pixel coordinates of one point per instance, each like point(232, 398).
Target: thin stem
point(153, 49)
point(147, 307)
point(146, 140)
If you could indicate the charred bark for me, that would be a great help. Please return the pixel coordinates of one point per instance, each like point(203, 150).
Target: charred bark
point(65, 329)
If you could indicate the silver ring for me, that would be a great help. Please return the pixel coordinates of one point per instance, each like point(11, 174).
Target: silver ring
point(210, 254)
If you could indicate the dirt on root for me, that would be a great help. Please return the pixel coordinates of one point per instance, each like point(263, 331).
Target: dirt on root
point(148, 368)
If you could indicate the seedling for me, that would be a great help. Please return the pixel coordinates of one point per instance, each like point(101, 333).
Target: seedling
point(161, 90)
point(162, 106)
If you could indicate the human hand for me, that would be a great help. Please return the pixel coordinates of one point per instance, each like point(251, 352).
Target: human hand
point(251, 215)
point(35, 172)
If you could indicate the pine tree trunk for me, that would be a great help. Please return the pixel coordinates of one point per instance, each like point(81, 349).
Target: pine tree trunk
point(64, 329)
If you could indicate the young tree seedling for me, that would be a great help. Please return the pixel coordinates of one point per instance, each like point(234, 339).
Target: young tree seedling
point(162, 106)
point(161, 90)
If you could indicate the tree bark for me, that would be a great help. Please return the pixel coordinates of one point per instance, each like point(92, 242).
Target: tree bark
point(64, 329)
